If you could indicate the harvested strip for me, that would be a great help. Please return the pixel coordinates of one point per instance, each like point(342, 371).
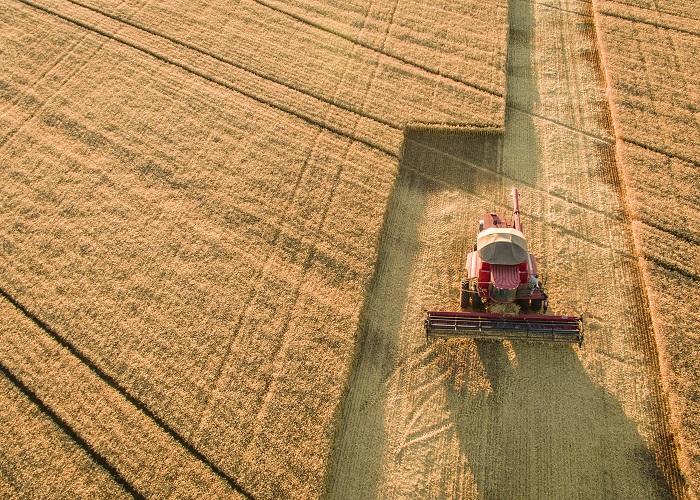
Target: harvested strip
point(573, 38)
point(142, 452)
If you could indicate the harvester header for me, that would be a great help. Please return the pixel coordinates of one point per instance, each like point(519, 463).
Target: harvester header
point(500, 271)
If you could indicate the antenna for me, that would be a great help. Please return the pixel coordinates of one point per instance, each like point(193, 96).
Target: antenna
point(516, 210)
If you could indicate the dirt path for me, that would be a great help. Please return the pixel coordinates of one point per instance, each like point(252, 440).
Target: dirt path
point(491, 420)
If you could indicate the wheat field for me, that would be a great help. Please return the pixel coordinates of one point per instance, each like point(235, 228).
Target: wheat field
point(456, 419)
point(658, 144)
point(221, 223)
point(203, 224)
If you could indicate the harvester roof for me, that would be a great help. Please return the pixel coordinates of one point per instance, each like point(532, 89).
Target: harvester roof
point(502, 245)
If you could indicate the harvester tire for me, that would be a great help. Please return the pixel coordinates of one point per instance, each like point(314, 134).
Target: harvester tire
point(536, 304)
point(524, 304)
point(464, 297)
point(476, 300)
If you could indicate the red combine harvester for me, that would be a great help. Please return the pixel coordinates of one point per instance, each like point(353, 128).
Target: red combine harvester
point(500, 270)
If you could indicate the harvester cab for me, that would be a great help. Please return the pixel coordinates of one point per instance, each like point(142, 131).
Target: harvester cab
point(501, 295)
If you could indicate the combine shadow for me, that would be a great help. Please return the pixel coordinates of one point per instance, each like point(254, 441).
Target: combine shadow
point(545, 429)
point(356, 461)
point(355, 464)
point(551, 431)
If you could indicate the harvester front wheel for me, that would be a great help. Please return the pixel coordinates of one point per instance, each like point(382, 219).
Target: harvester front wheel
point(536, 304)
point(464, 296)
point(523, 303)
point(476, 300)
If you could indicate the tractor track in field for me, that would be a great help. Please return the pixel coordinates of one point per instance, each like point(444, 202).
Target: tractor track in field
point(115, 385)
point(94, 455)
point(467, 419)
point(654, 24)
point(213, 79)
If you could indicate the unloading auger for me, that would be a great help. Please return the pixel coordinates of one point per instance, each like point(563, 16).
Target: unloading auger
point(500, 270)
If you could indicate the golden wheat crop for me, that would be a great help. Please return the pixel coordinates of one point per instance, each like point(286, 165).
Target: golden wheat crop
point(651, 59)
point(191, 200)
point(221, 223)
point(39, 457)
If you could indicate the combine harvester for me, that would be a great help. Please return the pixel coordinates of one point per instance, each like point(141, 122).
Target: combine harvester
point(502, 273)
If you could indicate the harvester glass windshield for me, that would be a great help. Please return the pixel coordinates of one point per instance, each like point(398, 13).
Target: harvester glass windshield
point(502, 245)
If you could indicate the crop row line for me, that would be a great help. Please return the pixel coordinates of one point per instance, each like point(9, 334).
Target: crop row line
point(112, 382)
point(230, 62)
point(672, 267)
point(664, 152)
point(655, 24)
point(385, 53)
point(678, 233)
point(212, 79)
point(655, 9)
point(96, 457)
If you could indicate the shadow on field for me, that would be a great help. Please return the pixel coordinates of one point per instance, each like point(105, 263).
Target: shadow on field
point(356, 463)
point(357, 454)
point(521, 162)
point(544, 429)
point(552, 432)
